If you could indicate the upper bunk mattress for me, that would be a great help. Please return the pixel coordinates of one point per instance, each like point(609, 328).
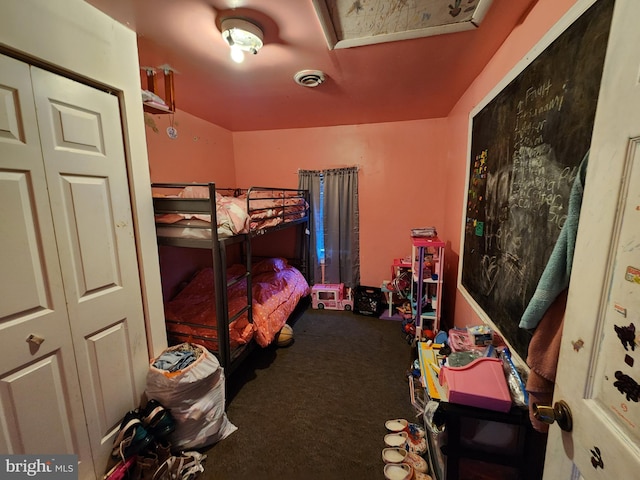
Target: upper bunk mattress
point(247, 212)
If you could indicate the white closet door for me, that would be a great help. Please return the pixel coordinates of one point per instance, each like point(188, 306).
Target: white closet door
point(40, 399)
point(81, 137)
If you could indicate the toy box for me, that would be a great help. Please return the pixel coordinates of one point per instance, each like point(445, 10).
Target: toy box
point(368, 301)
point(481, 384)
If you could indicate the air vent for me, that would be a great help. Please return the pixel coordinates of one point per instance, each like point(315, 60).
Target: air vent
point(309, 78)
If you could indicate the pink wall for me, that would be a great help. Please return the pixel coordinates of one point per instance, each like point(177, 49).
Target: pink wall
point(401, 177)
point(202, 152)
point(412, 174)
point(523, 38)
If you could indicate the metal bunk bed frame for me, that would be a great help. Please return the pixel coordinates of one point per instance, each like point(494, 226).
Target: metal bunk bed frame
point(218, 245)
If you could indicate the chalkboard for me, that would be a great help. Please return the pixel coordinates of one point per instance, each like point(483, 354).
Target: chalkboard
point(526, 146)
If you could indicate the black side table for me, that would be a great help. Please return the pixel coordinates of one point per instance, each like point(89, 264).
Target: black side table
point(485, 444)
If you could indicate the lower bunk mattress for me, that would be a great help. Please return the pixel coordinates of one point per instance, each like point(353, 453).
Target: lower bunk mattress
point(277, 287)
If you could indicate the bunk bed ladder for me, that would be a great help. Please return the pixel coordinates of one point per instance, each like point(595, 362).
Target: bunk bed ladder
point(220, 286)
point(219, 252)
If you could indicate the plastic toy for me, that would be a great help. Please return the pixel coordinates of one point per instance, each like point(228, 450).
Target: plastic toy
point(332, 296)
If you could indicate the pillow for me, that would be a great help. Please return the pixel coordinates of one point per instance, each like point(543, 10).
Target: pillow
point(195, 192)
point(269, 265)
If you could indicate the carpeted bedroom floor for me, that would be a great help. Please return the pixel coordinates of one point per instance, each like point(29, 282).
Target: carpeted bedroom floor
point(316, 409)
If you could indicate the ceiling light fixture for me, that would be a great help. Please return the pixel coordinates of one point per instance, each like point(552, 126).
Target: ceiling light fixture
point(242, 36)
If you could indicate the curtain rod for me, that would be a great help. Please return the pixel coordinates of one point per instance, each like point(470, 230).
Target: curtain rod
point(357, 167)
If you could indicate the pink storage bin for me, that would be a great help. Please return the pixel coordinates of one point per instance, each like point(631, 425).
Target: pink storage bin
point(480, 384)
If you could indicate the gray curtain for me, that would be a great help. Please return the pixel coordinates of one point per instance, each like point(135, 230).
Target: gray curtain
point(312, 181)
point(338, 212)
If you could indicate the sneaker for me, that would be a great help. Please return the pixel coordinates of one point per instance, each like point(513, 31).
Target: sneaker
point(132, 437)
point(157, 419)
point(162, 450)
point(185, 466)
point(146, 466)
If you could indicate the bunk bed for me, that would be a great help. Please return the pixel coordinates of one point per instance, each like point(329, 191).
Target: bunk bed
point(217, 308)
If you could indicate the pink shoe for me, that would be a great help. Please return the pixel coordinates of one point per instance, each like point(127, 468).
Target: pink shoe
point(398, 439)
point(418, 463)
point(415, 431)
point(394, 455)
point(417, 446)
point(421, 476)
point(400, 455)
point(397, 425)
point(398, 471)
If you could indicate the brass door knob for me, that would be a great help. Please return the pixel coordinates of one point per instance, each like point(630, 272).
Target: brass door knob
point(560, 413)
point(35, 339)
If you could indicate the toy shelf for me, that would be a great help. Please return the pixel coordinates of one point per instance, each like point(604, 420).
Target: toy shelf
point(427, 266)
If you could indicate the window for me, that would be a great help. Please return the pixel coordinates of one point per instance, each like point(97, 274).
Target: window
point(334, 224)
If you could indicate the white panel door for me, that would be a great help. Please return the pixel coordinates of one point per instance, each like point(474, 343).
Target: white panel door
point(86, 172)
point(599, 369)
point(41, 404)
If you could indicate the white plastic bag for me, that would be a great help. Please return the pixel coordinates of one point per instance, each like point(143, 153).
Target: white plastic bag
point(195, 396)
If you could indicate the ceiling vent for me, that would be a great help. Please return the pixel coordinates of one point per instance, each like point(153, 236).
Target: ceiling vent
point(309, 78)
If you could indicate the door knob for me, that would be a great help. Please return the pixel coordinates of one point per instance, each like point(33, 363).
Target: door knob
point(559, 413)
point(35, 339)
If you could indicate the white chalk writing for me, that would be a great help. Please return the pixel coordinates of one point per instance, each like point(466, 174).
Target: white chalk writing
point(531, 112)
point(539, 185)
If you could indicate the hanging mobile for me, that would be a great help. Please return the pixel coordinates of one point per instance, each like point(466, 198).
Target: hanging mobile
point(171, 130)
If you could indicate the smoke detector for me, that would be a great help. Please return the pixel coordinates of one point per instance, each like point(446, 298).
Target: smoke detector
point(309, 78)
